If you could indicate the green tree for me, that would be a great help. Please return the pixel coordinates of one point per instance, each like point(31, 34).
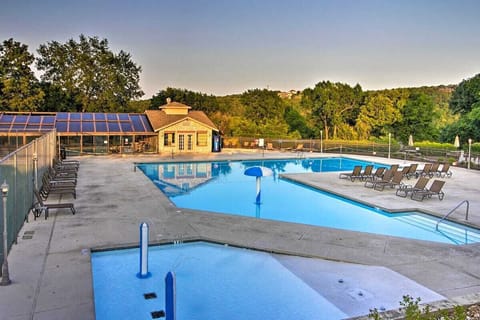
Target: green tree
point(377, 116)
point(196, 100)
point(332, 104)
point(466, 96)
point(417, 119)
point(98, 79)
point(262, 105)
point(467, 127)
point(297, 123)
point(19, 89)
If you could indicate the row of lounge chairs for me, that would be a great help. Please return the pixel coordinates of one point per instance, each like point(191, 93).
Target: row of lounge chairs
point(429, 170)
point(393, 178)
point(61, 179)
point(362, 175)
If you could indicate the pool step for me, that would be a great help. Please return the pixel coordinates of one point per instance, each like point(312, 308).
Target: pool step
point(457, 233)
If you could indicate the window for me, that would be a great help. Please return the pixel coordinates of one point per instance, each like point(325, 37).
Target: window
point(168, 139)
point(202, 139)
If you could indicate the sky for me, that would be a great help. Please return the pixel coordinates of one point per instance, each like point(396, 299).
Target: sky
point(223, 47)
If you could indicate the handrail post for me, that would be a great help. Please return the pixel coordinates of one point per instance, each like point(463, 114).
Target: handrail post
point(451, 211)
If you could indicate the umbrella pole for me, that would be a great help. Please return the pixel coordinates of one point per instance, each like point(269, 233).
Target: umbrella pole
point(257, 200)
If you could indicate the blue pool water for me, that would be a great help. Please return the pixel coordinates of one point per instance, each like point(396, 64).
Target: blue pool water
point(220, 282)
point(223, 188)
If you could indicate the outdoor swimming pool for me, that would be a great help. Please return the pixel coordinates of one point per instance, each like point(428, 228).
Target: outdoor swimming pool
point(221, 282)
point(222, 187)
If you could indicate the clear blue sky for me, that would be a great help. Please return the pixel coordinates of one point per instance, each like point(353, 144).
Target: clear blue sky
point(229, 46)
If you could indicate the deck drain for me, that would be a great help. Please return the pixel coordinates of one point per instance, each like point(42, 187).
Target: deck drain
point(158, 314)
point(29, 232)
point(27, 237)
point(150, 295)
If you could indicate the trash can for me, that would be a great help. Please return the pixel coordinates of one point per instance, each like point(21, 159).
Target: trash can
point(63, 153)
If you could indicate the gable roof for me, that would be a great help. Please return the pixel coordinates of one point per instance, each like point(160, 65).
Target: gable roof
point(159, 119)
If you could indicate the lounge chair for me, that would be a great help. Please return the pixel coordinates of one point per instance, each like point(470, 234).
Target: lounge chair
point(394, 182)
point(57, 187)
point(412, 171)
point(375, 176)
point(434, 190)
point(387, 176)
point(298, 148)
point(394, 167)
point(405, 189)
point(367, 172)
point(425, 171)
point(404, 171)
point(434, 169)
point(445, 172)
point(355, 174)
point(40, 206)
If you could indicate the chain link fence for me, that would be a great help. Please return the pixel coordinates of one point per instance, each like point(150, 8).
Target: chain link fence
point(393, 150)
point(20, 171)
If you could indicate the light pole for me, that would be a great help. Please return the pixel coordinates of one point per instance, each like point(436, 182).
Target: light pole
point(321, 141)
point(469, 150)
point(389, 143)
point(5, 275)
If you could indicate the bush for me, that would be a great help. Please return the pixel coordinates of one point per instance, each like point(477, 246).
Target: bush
point(412, 310)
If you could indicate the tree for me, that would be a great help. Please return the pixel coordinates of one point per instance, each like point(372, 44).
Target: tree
point(376, 116)
point(262, 105)
point(98, 79)
point(417, 119)
point(196, 100)
point(332, 104)
point(466, 96)
point(467, 127)
point(297, 123)
point(19, 90)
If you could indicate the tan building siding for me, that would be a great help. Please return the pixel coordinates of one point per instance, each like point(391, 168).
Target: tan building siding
point(185, 135)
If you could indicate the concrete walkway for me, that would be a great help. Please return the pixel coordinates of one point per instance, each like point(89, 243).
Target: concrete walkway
point(50, 266)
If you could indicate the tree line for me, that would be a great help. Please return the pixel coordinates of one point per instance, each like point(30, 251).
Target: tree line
point(86, 76)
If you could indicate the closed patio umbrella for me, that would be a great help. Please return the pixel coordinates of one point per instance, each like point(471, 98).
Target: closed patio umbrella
point(457, 142)
point(410, 141)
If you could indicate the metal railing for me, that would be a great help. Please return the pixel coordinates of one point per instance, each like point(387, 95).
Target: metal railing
point(19, 170)
point(453, 210)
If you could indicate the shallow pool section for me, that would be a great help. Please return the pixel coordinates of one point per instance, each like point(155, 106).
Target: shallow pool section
point(221, 282)
point(222, 187)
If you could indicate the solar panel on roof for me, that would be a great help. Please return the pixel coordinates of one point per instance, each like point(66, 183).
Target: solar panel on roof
point(87, 126)
point(6, 118)
point(48, 119)
point(75, 116)
point(87, 116)
point(123, 116)
point(146, 123)
point(74, 126)
point(35, 119)
point(112, 117)
point(62, 116)
point(99, 116)
point(20, 119)
point(61, 126)
point(126, 127)
point(137, 123)
point(101, 126)
point(18, 126)
point(113, 127)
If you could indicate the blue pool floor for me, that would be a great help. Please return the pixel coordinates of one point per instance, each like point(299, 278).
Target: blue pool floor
point(223, 282)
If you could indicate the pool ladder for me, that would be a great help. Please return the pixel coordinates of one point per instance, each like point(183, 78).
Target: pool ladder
point(451, 211)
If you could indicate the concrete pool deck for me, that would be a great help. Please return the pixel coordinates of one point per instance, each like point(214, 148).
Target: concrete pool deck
point(50, 265)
